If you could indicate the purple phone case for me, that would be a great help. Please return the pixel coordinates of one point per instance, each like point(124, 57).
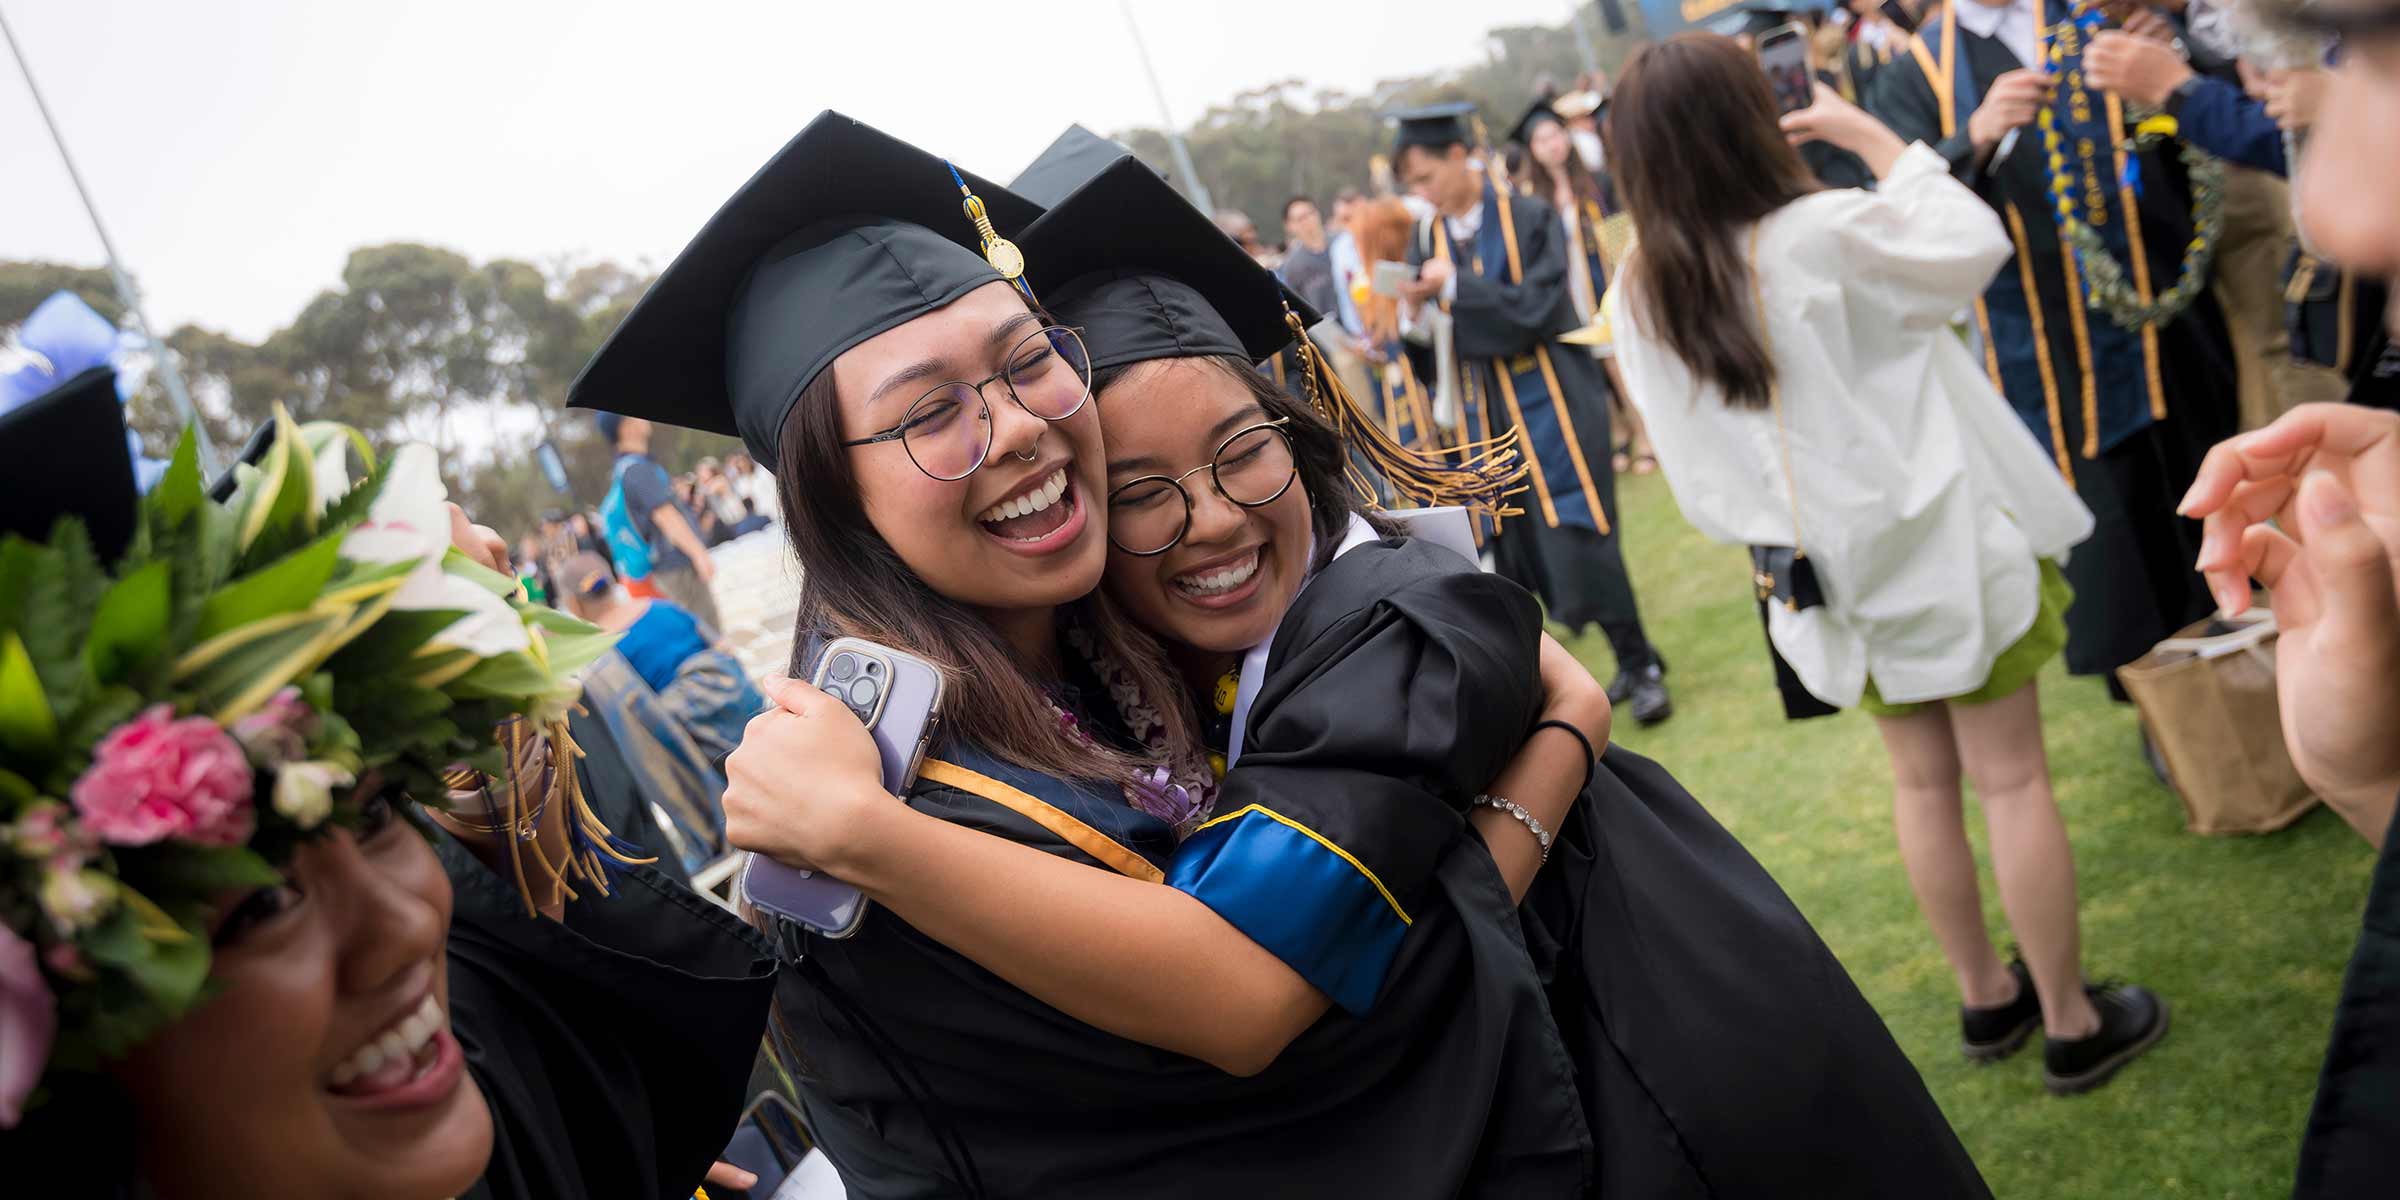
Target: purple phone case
point(901, 730)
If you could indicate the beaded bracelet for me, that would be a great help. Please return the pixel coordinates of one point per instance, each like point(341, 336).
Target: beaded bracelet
point(1541, 836)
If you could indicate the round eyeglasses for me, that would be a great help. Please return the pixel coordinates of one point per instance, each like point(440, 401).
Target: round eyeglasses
point(1253, 468)
point(948, 431)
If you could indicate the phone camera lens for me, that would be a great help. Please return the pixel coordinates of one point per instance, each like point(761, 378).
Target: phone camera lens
point(844, 666)
point(863, 692)
point(874, 667)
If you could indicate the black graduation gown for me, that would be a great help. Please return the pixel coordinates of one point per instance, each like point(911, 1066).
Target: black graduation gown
point(614, 1048)
point(2352, 1147)
point(923, 1075)
point(1720, 1048)
point(2134, 583)
point(1507, 320)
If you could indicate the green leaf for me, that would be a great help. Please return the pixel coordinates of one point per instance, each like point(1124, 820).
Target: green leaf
point(27, 726)
point(391, 643)
point(457, 563)
point(178, 491)
point(289, 585)
point(15, 790)
point(129, 629)
point(504, 676)
point(108, 708)
point(168, 973)
point(180, 869)
point(569, 643)
point(58, 612)
point(255, 666)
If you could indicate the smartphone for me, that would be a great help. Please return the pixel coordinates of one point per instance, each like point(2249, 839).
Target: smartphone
point(898, 697)
point(1389, 276)
point(1901, 14)
point(1783, 54)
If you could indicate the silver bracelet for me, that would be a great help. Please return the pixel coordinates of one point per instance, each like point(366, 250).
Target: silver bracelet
point(1532, 823)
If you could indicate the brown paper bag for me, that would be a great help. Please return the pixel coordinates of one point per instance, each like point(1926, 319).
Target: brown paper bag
point(2209, 703)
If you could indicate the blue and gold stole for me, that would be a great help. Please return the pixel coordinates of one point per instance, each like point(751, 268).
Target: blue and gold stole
point(2116, 370)
point(1527, 385)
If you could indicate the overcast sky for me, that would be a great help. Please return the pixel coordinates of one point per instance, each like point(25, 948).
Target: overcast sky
point(239, 148)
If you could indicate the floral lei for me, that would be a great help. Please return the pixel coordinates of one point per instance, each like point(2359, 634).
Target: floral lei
point(1183, 791)
point(2104, 276)
point(177, 719)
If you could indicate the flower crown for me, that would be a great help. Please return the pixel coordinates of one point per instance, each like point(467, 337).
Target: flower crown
point(174, 724)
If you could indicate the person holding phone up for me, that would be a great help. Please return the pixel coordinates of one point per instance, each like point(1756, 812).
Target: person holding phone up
point(1790, 347)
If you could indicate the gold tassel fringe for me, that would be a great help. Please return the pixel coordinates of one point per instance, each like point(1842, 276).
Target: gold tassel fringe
point(1478, 476)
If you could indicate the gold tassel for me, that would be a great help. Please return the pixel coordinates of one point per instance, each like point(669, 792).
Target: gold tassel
point(583, 862)
point(1480, 478)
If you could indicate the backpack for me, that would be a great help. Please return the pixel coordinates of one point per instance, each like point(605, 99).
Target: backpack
point(625, 542)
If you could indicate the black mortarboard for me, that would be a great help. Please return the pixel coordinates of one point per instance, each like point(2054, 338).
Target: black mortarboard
point(64, 454)
point(845, 233)
point(1755, 17)
point(1144, 275)
point(1541, 110)
point(1434, 126)
point(1127, 260)
point(1073, 160)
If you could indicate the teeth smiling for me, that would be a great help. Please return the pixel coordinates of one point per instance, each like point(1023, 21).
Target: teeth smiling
point(1220, 580)
point(403, 1041)
point(1029, 503)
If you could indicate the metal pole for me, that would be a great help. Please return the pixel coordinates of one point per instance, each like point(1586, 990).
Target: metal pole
point(116, 271)
point(1183, 157)
point(1583, 38)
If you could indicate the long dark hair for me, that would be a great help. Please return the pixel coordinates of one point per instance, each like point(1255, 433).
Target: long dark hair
point(853, 583)
point(1580, 179)
point(1696, 163)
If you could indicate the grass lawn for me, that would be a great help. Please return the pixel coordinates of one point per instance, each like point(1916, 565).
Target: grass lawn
point(2245, 937)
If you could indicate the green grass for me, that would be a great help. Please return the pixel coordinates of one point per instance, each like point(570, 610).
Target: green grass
point(2246, 937)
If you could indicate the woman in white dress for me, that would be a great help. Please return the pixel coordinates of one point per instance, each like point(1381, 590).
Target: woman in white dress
point(1790, 348)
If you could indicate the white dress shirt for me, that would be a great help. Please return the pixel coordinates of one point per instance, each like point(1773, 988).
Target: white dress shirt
point(1924, 503)
point(2017, 24)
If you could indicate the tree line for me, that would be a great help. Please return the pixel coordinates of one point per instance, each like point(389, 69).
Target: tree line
point(420, 343)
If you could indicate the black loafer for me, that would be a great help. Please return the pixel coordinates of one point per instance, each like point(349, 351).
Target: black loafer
point(2131, 1021)
point(1988, 1035)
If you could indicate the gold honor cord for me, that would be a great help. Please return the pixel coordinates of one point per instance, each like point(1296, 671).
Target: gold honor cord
point(1481, 479)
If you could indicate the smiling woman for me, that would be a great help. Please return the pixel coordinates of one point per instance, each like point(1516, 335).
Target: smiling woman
point(272, 920)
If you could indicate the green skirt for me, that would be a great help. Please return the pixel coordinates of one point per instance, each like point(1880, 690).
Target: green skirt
point(2016, 665)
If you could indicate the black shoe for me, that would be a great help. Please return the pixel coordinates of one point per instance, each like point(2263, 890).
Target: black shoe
point(1646, 699)
point(1991, 1034)
point(2131, 1021)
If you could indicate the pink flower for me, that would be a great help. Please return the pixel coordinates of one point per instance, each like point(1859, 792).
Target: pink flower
point(157, 777)
point(278, 731)
point(42, 831)
point(28, 1019)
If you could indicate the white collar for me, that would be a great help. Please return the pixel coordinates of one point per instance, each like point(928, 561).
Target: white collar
point(1450, 528)
point(2017, 25)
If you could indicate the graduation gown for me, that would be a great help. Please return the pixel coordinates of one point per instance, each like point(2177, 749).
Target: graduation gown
point(1719, 1047)
point(1512, 303)
point(2126, 415)
point(921, 1074)
point(614, 1047)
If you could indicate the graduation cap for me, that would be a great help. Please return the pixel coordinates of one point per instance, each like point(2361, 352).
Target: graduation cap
point(1126, 259)
point(1434, 126)
point(845, 233)
point(1144, 275)
point(1754, 17)
point(1541, 110)
point(1069, 163)
point(64, 454)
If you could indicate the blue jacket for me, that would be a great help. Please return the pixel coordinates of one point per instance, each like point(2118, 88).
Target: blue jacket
point(2220, 118)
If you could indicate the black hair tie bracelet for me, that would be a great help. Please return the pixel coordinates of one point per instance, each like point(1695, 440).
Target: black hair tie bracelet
point(1591, 758)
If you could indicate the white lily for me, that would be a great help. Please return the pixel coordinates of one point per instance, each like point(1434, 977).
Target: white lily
point(410, 521)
